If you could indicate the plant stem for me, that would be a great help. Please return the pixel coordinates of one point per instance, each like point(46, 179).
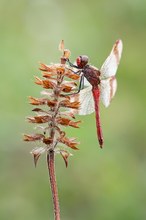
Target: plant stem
point(53, 183)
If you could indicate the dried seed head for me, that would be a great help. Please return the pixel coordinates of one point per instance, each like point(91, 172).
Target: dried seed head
point(57, 109)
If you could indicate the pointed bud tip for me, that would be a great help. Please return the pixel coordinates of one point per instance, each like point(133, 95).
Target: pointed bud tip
point(61, 46)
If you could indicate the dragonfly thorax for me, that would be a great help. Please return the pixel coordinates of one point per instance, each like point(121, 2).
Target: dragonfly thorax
point(82, 61)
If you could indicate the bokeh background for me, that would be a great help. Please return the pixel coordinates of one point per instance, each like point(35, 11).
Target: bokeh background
point(106, 184)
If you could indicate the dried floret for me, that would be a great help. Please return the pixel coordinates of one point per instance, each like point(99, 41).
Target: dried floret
point(33, 137)
point(65, 155)
point(39, 119)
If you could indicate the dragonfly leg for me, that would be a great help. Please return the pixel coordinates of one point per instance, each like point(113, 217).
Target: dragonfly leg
point(81, 86)
point(75, 72)
point(71, 64)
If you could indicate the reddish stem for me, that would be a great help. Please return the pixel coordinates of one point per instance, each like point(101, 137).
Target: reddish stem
point(52, 176)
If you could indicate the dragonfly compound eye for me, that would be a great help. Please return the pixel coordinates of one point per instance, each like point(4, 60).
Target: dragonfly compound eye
point(82, 61)
point(78, 61)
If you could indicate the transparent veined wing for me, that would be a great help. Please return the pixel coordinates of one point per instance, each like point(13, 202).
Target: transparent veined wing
point(110, 65)
point(85, 97)
point(108, 89)
point(86, 101)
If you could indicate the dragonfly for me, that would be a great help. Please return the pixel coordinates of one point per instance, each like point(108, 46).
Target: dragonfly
point(97, 84)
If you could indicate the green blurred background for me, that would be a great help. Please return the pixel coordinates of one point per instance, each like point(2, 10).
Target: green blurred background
point(106, 184)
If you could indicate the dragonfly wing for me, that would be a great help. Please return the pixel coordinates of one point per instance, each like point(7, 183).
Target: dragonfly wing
point(110, 65)
point(108, 89)
point(86, 83)
point(86, 101)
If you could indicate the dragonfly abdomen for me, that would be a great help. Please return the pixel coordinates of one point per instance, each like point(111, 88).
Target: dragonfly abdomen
point(96, 96)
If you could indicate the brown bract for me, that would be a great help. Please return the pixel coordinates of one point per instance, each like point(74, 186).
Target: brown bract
point(68, 104)
point(67, 122)
point(70, 142)
point(55, 109)
point(47, 84)
point(39, 119)
point(33, 137)
point(37, 101)
point(65, 155)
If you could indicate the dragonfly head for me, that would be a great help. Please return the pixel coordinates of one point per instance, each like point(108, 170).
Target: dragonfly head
point(82, 61)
